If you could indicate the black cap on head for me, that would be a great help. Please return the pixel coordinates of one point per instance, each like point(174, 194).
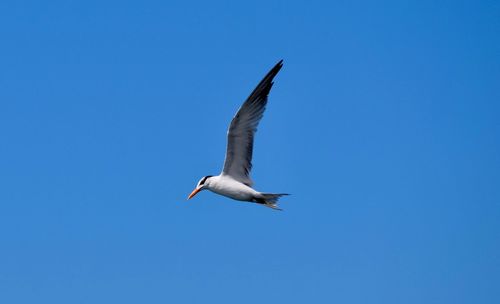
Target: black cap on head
point(204, 179)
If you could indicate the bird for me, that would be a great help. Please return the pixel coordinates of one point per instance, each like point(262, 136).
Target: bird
point(234, 181)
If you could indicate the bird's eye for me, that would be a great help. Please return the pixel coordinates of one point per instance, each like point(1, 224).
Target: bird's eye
point(203, 180)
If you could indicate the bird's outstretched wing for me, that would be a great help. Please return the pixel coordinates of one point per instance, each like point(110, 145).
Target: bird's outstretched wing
point(238, 162)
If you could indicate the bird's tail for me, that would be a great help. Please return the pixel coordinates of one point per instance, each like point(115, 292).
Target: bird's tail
point(271, 200)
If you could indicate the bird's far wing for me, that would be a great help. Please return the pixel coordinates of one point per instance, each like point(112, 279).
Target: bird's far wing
point(238, 162)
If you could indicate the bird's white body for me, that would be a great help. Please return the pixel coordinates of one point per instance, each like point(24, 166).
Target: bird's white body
point(228, 186)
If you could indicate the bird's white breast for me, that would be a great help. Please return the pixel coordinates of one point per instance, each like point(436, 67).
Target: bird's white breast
point(227, 186)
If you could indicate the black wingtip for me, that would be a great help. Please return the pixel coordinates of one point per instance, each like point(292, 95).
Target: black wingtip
point(264, 87)
point(278, 66)
point(272, 73)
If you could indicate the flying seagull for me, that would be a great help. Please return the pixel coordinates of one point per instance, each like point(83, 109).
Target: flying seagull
point(234, 180)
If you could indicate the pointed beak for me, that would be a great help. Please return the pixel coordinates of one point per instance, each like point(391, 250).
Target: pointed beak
point(194, 192)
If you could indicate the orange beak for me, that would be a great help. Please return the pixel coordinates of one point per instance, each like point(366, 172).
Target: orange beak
point(194, 193)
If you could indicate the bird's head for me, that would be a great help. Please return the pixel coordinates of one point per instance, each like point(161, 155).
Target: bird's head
point(202, 184)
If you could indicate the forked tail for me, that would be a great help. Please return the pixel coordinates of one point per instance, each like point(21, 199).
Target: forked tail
point(271, 200)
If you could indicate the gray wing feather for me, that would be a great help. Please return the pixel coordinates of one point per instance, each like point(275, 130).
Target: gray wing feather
point(240, 136)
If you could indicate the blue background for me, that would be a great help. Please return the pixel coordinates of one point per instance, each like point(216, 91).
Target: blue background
point(383, 124)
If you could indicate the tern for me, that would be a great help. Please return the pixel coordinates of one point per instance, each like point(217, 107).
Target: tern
point(234, 181)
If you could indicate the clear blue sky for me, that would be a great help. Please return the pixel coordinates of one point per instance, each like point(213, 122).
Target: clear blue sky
point(383, 124)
